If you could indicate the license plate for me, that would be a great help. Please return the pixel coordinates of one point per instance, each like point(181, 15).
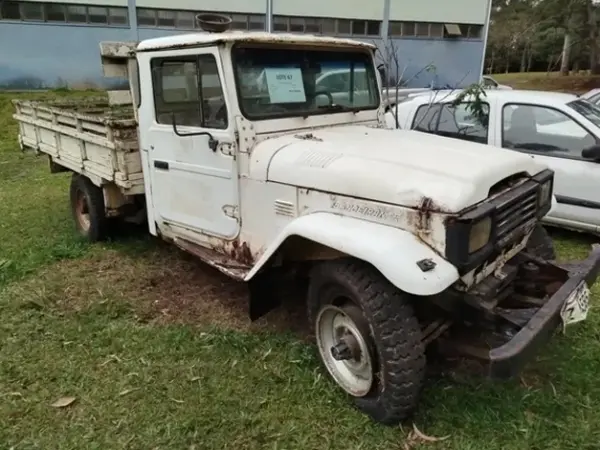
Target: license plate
point(575, 309)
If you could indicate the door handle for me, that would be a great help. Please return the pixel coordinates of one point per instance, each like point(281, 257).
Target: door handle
point(161, 165)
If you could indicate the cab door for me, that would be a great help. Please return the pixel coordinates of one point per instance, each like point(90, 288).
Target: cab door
point(189, 138)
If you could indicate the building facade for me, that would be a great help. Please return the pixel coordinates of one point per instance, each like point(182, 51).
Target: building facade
point(52, 44)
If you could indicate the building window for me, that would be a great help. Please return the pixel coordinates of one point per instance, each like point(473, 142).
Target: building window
point(359, 27)
point(256, 22)
point(185, 19)
point(408, 29)
point(146, 17)
point(297, 25)
point(61, 13)
point(98, 14)
point(395, 29)
point(76, 14)
point(10, 11)
point(117, 16)
point(239, 22)
point(373, 28)
point(475, 31)
point(422, 29)
point(55, 12)
point(312, 26)
point(280, 23)
point(328, 26)
point(453, 30)
point(166, 19)
point(436, 30)
point(344, 26)
point(32, 11)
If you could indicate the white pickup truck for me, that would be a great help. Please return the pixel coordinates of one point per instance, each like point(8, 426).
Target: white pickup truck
point(403, 238)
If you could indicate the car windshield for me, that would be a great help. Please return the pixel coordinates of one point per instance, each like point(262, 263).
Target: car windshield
point(587, 109)
point(284, 82)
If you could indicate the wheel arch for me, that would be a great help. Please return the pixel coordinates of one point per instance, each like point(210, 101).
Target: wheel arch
point(392, 251)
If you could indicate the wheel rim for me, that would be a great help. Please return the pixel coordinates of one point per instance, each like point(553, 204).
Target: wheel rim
point(82, 212)
point(343, 343)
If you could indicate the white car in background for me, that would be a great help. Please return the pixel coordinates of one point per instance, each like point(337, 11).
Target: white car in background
point(490, 83)
point(560, 130)
point(592, 96)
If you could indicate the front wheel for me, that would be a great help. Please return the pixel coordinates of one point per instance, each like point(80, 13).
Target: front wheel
point(368, 338)
point(540, 244)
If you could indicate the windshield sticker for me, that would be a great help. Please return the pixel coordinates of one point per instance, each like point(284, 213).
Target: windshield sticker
point(285, 85)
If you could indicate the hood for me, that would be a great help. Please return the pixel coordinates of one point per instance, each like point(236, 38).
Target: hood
point(394, 166)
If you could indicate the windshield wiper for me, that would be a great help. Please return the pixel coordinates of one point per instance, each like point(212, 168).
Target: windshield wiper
point(335, 107)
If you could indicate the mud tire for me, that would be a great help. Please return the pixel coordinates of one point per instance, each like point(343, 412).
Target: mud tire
point(398, 353)
point(541, 245)
point(87, 207)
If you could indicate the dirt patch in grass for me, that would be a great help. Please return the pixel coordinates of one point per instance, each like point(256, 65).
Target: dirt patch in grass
point(162, 286)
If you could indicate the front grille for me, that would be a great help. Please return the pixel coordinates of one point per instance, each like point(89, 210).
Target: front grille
point(518, 210)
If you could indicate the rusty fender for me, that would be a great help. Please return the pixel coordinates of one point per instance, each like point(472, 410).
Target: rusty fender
point(393, 251)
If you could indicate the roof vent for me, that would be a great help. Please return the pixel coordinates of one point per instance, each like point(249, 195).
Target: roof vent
point(213, 23)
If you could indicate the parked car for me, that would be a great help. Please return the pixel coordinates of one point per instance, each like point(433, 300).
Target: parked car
point(490, 83)
point(592, 96)
point(558, 129)
point(402, 238)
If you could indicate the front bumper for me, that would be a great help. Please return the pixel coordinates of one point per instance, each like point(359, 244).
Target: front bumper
point(506, 360)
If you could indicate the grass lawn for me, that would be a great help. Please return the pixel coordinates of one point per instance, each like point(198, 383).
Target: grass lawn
point(574, 83)
point(154, 350)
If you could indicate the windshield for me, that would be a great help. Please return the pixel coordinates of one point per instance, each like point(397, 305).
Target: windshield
point(284, 82)
point(588, 110)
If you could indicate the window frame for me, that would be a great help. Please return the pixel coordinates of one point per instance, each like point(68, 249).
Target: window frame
point(436, 105)
point(292, 114)
point(196, 59)
point(451, 106)
point(440, 106)
point(533, 152)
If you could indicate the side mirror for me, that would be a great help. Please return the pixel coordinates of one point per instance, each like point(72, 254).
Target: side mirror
point(212, 142)
point(592, 153)
point(382, 74)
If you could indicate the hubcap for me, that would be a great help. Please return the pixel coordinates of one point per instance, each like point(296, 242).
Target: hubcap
point(82, 212)
point(343, 344)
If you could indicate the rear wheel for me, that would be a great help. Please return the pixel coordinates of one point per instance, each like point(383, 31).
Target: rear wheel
point(368, 338)
point(87, 207)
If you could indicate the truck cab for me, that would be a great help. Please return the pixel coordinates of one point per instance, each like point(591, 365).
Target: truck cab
point(255, 161)
point(216, 113)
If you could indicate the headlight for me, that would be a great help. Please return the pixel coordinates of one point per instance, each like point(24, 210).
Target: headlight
point(545, 193)
point(480, 234)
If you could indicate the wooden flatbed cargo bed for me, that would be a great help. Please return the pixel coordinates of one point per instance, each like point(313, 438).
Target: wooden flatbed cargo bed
point(86, 136)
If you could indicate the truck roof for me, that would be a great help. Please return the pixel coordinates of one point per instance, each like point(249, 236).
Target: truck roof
point(203, 39)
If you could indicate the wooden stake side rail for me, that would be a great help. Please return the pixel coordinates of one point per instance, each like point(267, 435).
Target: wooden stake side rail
point(88, 137)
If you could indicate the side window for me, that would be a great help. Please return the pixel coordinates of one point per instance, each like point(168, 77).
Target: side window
point(488, 82)
point(543, 130)
point(213, 101)
point(462, 123)
point(188, 90)
point(595, 99)
point(426, 118)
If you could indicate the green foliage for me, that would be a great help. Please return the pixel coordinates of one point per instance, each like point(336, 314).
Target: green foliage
point(529, 34)
point(475, 105)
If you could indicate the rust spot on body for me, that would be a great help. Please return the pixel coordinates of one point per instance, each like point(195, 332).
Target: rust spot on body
point(241, 253)
point(424, 215)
